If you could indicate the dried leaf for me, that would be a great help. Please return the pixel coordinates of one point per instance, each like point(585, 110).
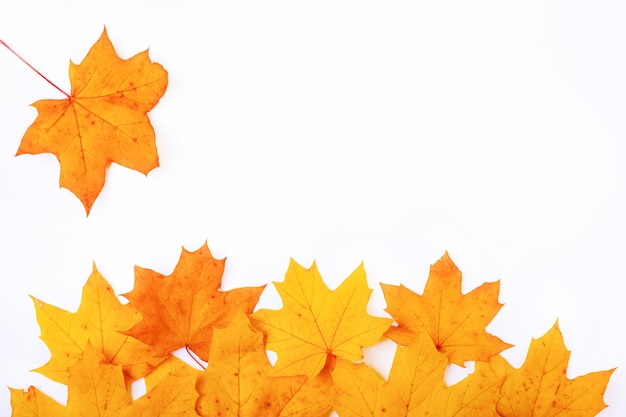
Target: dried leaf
point(237, 381)
point(33, 403)
point(94, 389)
point(103, 121)
point(315, 324)
point(540, 388)
point(415, 388)
point(171, 392)
point(99, 320)
point(455, 322)
point(182, 309)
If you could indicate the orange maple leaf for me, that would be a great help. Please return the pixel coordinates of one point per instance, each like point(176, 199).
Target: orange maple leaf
point(181, 310)
point(94, 389)
point(415, 388)
point(99, 320)
point(315, 324)
point(237, 381)
point(540, 388)
point(455, 322)
point(103, 120)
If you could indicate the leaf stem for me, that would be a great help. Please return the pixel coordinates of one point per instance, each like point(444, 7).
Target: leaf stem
point(191, 354)
point(33, 68)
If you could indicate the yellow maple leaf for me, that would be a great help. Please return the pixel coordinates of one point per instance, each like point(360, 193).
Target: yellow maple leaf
point(540, 388)
point(94, 389)
point(316, 324)
point(99, 320)
point(455, 322)
point(171, 392)
point(103, 120)
point(237, 381)
point(172, 366)
point(415, 388)
point(33, 403)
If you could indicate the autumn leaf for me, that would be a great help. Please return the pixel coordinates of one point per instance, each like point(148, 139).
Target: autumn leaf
point(94, 389)
point(172, 366)
point(315, 324)
point(171, 392)
point(540, 388)
point(99, 320)
point(237, 381)
point(182, 309)
point(33, 403)
point(103, 120)
point(415, 388)
point(455, 322)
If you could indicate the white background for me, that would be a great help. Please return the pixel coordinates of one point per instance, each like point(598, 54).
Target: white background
point(343, 131)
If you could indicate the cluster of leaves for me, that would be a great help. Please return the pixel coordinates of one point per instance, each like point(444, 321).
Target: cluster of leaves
point(318, 336)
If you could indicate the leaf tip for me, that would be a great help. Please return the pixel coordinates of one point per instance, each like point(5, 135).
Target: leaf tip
point(36, 301)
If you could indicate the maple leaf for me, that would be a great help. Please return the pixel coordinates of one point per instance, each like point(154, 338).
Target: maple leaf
point(415, 388)
point(315, 324)
point(94, 389)
point(172, 366)
point(455, 322)
point(33, 403)
point(99, 320)
point(181, 310)
point(103, 120)
point(540, 388)
point(237, 381)
point(171, 392)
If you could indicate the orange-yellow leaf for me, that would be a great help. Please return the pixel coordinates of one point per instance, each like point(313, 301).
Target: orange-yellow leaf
point(540, 388)
point(182, 309)
point(33, 403)
point(103, 121)
point(315, 324)
point(100, 319)
point(94, 389)
point(455, 322)
point(170, 390)
point(415, 388)
point(172, 366)
point(237, 382)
